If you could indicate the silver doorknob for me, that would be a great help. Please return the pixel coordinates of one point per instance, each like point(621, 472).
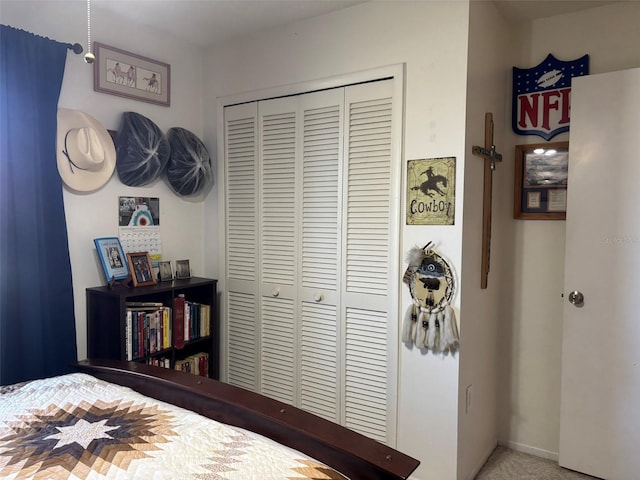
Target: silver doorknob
point(576, 298)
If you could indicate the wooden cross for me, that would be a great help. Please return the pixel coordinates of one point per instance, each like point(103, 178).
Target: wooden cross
point(490, 156)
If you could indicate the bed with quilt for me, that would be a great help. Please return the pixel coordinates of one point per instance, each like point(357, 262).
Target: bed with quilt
point(125, 420)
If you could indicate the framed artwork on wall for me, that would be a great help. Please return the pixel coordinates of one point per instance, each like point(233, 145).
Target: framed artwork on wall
point(541, 179)
point(126, 74)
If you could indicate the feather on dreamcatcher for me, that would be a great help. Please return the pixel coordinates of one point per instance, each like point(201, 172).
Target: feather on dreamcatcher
point(430, 322)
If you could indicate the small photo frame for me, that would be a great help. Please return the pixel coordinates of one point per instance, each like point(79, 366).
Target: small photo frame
point(165, 272)
point(541, 178)
point(141, 269)
point(182, 269)
point(126, 74)
point(112, 258)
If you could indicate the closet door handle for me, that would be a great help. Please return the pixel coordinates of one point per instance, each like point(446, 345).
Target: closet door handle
point(275, 292)
point(318, 297)
point(576, 298)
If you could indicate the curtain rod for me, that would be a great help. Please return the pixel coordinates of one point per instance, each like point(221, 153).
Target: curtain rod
point(76, 47)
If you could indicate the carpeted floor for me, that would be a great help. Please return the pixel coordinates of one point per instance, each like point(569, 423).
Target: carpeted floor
point(506, 464)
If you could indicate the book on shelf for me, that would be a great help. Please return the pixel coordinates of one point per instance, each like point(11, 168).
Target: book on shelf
point(166, 328)
point(187, 321)
point(178, 321)
point(144, 304)
point(205, 320)
point(128, 342)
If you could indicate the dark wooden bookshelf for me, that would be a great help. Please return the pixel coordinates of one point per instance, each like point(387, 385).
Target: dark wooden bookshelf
point(107, 312)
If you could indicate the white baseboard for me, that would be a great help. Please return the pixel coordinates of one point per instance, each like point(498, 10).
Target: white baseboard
point(479, 466)
point(538, 452)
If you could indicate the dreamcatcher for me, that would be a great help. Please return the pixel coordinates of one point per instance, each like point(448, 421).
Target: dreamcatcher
point(430, 322)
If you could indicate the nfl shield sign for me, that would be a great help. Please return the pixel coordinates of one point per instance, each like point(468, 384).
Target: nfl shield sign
point(542, 96)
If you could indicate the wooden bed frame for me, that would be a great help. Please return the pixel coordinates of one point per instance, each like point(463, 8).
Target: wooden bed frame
point(350, 453)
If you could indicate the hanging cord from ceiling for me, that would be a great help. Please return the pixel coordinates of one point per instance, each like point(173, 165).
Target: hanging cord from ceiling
point(89, 56)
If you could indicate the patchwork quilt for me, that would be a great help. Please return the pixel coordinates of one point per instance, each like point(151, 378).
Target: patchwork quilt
point(79, 427)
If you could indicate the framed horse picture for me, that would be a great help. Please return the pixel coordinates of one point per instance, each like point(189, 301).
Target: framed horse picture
point(431, 193)
point(126, 74)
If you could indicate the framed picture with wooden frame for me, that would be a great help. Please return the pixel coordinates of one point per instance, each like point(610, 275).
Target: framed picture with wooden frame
point(541, 178)
point(141, 269)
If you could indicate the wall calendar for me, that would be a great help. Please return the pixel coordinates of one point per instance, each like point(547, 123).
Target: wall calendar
point(139, 226)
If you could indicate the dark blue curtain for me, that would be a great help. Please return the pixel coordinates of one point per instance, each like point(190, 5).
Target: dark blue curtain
point(37, 324)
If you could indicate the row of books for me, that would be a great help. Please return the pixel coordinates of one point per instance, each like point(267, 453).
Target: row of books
point(159, 362)
point(192, 320)
point(197, 364)
point(149, 330)
point(152, 327)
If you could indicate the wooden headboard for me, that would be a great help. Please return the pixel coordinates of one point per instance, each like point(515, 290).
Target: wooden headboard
point(354, 455)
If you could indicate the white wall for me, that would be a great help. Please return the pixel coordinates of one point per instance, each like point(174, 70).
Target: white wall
point(489, 59)
point(530, 342)
point(430, 38)
point(96, 214)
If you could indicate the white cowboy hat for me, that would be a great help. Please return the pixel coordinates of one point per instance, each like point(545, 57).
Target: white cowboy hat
point(86, 153)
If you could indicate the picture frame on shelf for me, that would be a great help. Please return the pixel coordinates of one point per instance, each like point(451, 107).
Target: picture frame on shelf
point(122, 73)
point(541, 179)
point(141, 269)
point(182, 269)
point(112, 258)
point(165, 272)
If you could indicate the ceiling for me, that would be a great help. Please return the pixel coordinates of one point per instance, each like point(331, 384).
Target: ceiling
point(518, 10)
point(209, 22)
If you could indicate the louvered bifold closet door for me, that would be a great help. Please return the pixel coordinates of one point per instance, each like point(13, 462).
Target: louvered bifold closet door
point(368, 382)
point(278, 247)
point(312, 221)
point(241, 187)
point(321, 206)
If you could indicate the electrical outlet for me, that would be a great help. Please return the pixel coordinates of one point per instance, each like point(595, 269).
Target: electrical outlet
point(468, 399)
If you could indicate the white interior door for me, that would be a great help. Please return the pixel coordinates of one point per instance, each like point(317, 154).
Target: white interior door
point(600, 392)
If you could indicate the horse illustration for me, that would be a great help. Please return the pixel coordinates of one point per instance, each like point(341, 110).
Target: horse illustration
point(123, 77)
point(432, 183)
point(116, 71)
point(131, 76)
point(152, 84)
